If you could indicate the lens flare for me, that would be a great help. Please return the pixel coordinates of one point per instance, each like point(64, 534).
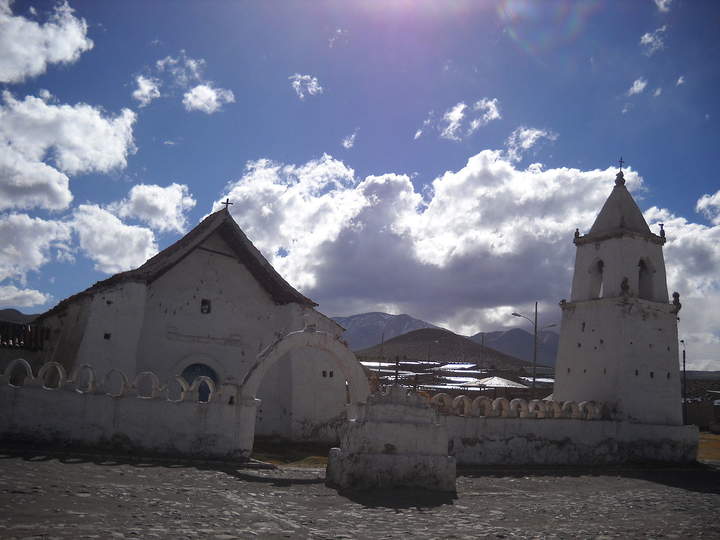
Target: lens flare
point(541, 27)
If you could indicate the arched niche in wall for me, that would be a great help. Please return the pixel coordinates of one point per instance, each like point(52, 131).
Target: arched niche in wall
point(645, 279)
point(595, 281)
point(193, 371)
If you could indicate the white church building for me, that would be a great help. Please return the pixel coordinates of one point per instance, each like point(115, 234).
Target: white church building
point(209, 305)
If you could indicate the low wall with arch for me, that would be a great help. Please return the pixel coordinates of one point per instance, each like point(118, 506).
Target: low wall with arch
point(126, 413)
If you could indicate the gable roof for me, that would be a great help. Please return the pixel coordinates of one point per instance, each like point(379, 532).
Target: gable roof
point(222, 223)
point(620, 212)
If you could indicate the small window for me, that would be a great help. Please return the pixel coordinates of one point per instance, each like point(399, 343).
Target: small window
point(579, 345)
point(331, 374)
point(568, 370)
point(324, 373)
point(637, 373)
point(668, 374)
point(604, 371)
point(205, 306)
point(652, 375)
point(106, 335)
point(583, 327)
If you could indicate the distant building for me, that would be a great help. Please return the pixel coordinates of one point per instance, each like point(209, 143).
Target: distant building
point(619, 342)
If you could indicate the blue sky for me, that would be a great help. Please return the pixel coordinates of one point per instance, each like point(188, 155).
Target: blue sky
point(477, 135)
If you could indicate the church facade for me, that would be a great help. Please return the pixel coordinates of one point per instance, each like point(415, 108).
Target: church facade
point(208, 306)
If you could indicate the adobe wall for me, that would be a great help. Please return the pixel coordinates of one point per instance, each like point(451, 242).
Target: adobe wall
point(621, 351)
point(112, 413)
point(167, 418)
point(540, 432)
point(529, 441)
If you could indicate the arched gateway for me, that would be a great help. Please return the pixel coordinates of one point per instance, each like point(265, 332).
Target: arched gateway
point(346, 362)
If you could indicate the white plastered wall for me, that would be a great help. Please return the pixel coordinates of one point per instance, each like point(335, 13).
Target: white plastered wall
point(114, 324)
point(622, 351)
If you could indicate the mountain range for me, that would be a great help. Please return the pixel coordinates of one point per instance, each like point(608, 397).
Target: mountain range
point(367, 329)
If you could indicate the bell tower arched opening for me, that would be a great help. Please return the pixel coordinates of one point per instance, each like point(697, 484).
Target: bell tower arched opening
point(595, 284)
point(645, 280)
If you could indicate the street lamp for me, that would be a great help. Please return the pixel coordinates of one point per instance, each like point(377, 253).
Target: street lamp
point(684, 385)
point(535, 336)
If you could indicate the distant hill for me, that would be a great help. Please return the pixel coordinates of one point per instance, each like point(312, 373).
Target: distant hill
point(519, 343)
point(438, 345)
point(366, 329)
point(14, 316)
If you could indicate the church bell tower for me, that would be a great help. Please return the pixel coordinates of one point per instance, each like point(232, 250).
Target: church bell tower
point(618, 338)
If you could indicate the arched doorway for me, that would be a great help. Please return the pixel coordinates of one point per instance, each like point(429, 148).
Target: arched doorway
point(321, 364)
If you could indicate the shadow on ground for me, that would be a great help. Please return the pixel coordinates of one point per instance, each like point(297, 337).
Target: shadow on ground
point(698, 477)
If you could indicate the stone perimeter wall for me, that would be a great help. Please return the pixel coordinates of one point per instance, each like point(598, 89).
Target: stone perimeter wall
point(137, 415)
point(545, 432)
point(143, 414)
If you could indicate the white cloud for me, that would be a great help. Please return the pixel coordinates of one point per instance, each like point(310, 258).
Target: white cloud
point(637, 87)
point(183, 69)
point(11, 296)
point(709, 206)
point(523, 139)
point(40, 143)
point(626, 108)
point(162, 208)
point(303, 84)
point(147, 90)
point(425, 124)
point(27, 183)
point(330, 228)
point(692, 258)
point(27, 243)
point(112, 245)
point(680, 81)
point(452, 118)
point(459, 254)
point(460, 121)
point(78, 137)
point(663, 5)
point(339, 36)
point(349, 141)
point(657, 92)
point(207, 99)
point(652, 42)
point(489, 109)
point(28, 47)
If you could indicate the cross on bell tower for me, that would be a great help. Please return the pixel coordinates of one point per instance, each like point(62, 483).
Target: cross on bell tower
point(227, 203)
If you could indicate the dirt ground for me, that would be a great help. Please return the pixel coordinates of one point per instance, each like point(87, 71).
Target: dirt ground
point(51, 494)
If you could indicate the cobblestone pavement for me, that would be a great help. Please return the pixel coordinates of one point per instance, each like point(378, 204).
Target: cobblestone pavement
point(86, 496)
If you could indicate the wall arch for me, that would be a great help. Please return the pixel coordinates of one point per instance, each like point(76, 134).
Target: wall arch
point(324, 341)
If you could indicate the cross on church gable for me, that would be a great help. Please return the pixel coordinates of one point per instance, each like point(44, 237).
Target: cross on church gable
point(227, 203)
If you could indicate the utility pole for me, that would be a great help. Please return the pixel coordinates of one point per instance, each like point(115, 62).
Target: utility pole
point(535, 336)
